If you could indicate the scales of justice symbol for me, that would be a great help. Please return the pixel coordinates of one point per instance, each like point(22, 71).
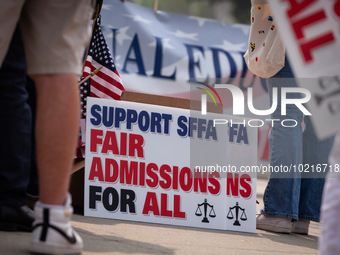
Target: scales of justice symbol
point(205, 205)
point(237, 208)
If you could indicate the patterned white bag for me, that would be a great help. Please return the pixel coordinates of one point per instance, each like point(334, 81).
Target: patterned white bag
point(266, 53)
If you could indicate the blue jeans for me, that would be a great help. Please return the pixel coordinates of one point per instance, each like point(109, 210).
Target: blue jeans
point(293, 195)
point(15, 128)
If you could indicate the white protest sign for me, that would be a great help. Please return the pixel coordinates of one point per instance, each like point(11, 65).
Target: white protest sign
point(310, 31)
point(324, 104)
point(165, 165)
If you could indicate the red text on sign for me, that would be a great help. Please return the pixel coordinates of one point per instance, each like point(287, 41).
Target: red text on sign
point(152, 205)
point(299, 24)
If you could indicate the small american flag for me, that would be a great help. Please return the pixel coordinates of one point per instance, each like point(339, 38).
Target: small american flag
point(106, 83)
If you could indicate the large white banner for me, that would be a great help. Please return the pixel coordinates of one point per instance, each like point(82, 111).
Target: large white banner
point(310, 30)
point(157, 52)
point(172, 166)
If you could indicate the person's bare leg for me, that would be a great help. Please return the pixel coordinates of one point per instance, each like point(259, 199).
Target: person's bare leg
point(57, 127)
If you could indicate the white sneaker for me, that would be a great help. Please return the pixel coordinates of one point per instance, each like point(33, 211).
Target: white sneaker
point(300, 227)
point(274, 224)
point(53, 232)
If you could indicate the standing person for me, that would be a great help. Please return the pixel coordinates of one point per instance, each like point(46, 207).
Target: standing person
point(15, 142)
point(290, 201)
point(54, 35)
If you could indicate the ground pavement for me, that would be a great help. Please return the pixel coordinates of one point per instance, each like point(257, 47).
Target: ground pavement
point(103, 236)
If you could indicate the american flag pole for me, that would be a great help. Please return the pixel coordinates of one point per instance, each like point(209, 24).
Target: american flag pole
point(90, 75)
